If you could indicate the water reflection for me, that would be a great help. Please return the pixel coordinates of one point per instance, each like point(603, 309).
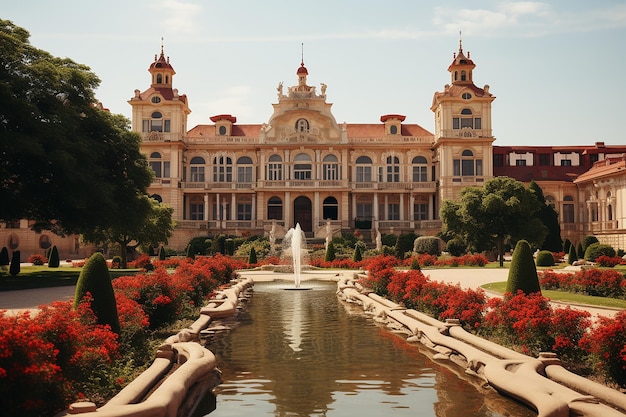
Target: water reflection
point(307, 354)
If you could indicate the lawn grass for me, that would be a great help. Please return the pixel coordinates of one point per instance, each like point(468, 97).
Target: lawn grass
point(566, 297)
point(44, 277)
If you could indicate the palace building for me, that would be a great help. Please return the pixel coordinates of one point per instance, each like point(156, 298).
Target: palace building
point(301, 166)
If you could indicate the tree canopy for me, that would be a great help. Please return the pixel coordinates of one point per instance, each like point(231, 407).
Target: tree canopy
point(550, 218)
point(64, 161)
point(502, 210)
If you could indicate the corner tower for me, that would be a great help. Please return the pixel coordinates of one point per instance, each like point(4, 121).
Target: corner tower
point(463, 135)
point(159, 115)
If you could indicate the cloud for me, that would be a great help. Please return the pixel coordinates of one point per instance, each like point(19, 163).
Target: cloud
point(180, 16)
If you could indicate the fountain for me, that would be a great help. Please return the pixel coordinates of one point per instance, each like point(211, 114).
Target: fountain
point(293, 242)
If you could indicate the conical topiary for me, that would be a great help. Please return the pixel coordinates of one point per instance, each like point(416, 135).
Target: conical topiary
point(53, 260)
point(4, 258)
point(14, 269)
point(358, 255)
point(580, 251)
point(330, 252)
point(162, 253)
point(522, 272)
point(190, 254)
point(95, 280)
point(571, 256)
point(252, 259)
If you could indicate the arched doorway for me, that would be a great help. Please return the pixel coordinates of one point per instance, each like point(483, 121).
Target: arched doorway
point(303, 213)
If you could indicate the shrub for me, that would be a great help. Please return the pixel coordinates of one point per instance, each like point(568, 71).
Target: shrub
point(14, 268)
point(37, 259)
point(606, 342)
point(597, 249)
point(162, 255)
point(456, 246)
point(567, 244)
point(608, 262)
point(189, 252)
point(359, 247)
point(230, 246)
point(571, 256)
point(252, 258)
point(587, 240)
point(405, 244)
point(330, 252)
point(603, 283)
point(545, 258)
point(116, 262)
point(522, 272)
point(53, 260)
point(428, 244)
point(580, 252)
point(4, 257)
point(415, 264)
point(94, 280)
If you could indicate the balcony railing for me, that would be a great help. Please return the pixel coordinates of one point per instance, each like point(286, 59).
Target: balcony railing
point(400, 186)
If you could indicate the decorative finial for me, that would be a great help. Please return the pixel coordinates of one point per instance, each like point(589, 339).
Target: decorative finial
point(302, 62)
point(460, 42)
point(161, 45)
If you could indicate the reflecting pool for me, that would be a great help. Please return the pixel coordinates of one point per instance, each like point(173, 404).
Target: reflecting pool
point(306, 353)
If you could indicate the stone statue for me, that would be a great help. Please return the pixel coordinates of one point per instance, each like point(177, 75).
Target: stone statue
point(379, 240)
point(272, 238)
point(323, 88)
point(280, 89)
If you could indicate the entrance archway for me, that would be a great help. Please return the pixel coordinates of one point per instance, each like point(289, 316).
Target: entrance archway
point(303, 213)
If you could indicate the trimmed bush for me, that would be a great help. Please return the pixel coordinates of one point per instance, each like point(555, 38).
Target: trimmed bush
point(53, 259)
point(567, 245)
point(359, 247)
point(587, 241)
point(15, 267)
point(571, 256)
point(522, 272)
point(189, 253)
point(94, 279)
point(4, 257)
point(405, 244)
point(330, 252)
point(428, 244)
point(545, 258)
point(230, 246)
point(162, 255)
point(580, 251)
point(456, 246)
point(252, 259)
point(415, 264)
point(595, 250)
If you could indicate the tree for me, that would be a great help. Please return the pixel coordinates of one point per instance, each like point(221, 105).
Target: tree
point(522, 272)
point(146, 220)
point(252, 260)
point(550, 219)
point(94, 280)
point(486, 217)
point(15, 266)
point(330, 252)
point(53, 259)
point(571, 256)
point(55, 140)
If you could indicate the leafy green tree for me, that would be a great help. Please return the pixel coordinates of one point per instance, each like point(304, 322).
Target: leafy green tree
point(94, 279)
point(146, 220)
point(550, 219)
point(55, 140)
point(522, 272)
point(486, 217)
point(53, 259)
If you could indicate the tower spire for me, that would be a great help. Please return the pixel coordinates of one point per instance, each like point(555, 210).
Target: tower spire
point(460, 42)
point(302, 53)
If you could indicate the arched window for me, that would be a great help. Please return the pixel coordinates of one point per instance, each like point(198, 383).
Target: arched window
point(44, 242)
point(222, 130)
point(463, 76)
point(330, 208)
point(568, 209)
point(157, 198)
point(302, 167)
point(275, 168)
point(363, 169)
point(330, 168)
point(550, 201)
point(302, 125)
point(274, 208)
point(466, 120)
point(159, 78)
point(244, 169)
point(420, 169)
point(196, 169)
point(160, 167)
point(156, 123)
point(222, 169)
point(467, 165)
point(393, 169)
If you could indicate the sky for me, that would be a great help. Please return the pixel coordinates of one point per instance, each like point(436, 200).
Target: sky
point(557, 68)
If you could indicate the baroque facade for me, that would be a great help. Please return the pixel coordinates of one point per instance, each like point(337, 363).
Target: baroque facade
point(301, 166)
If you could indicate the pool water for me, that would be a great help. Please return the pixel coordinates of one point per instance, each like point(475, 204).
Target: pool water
point(307, 353)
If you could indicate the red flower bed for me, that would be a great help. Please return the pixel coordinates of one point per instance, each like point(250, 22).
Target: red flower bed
point(599, 282)
point(608, 261)
point(606, 341)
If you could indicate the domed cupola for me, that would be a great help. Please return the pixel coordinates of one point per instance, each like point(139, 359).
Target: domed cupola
point(302, 74)
point(161, 70)
point(461, 67)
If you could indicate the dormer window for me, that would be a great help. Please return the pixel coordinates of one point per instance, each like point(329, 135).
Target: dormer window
point(393, 129)
point(302, 125)
point(222, 130)
point(156, 99)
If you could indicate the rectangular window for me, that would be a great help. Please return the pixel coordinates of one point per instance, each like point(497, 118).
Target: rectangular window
point(457, 168)
point(145, 126)
point(166, 169)
point(244, 174)
point(156, 167)
point(393, 173)
point(467, 122)
point(331, 172)
point(420, 211)
point(467, 167)
point(196, 211)
point(456, 123)
point(363, 174)
point(166, 126)
point(156, 125)
point(593, 158)
point(393, 211)
point(498, 160)
point(244, 211)
point(275, 172)
point(302, 171)
point(479, 167)
point(520, 163)
point(478, 124)
point(419, 174)
point(566, 162)
point(364, 211)
point(544, 159)
point(197, 174)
